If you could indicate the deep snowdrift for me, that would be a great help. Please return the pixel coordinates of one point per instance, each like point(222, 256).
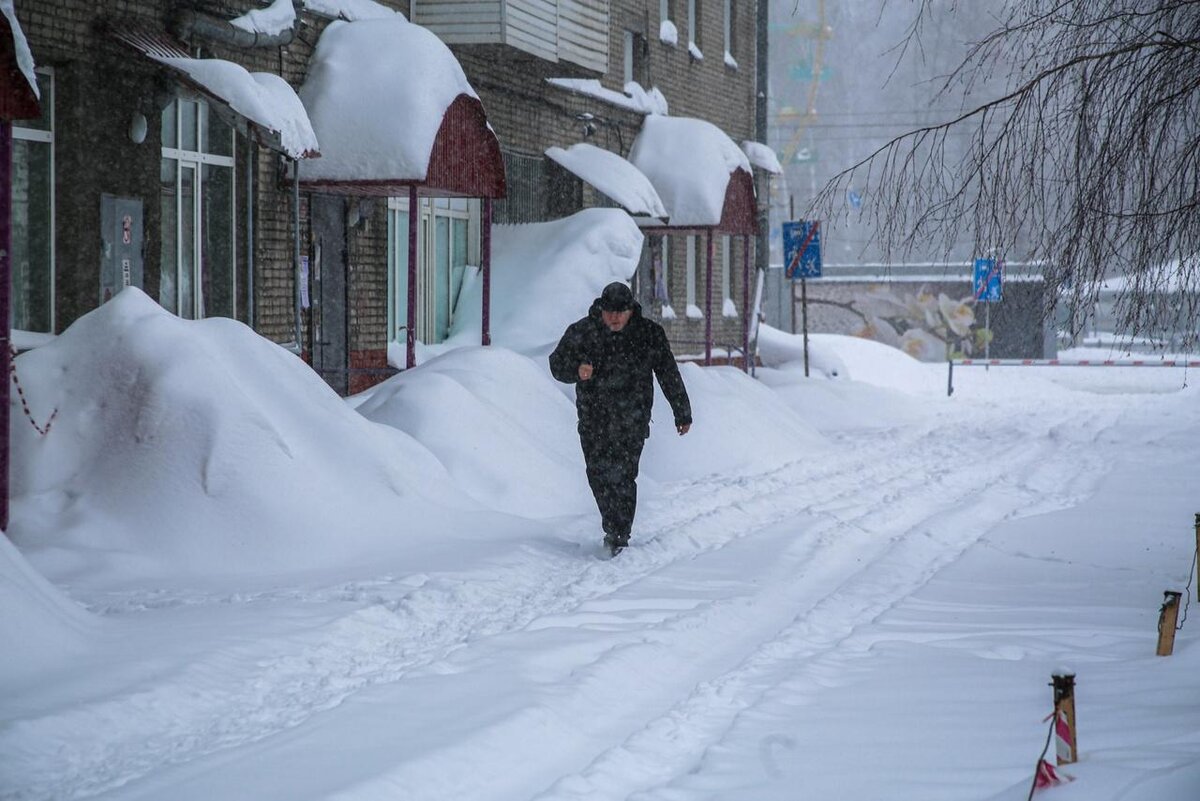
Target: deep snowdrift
point(201, 448)
point(545, 276)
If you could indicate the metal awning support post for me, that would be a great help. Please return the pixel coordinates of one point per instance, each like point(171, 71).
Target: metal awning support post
point(414, 219)
point(708, 298)
point(296, 253)
point(5, 303)
point(250, 164)
point(485, 259)
point(747, 312)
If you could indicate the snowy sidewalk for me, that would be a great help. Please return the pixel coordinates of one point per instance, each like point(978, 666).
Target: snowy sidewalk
point(758, 626)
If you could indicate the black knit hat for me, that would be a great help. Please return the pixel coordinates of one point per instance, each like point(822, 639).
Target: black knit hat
point(616, 297)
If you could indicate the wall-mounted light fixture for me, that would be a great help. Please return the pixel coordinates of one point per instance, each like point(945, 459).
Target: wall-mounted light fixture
point(138, 128)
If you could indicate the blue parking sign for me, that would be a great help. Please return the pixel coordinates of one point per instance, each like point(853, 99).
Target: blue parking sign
point(988, 284)
point(802, 249)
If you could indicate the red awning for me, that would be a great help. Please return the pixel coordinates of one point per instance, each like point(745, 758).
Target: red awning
point(394, 111)
point(465, 162)
point(739, 217)
point(18, 99)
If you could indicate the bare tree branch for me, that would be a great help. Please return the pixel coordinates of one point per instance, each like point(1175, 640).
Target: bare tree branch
point(1089, 161)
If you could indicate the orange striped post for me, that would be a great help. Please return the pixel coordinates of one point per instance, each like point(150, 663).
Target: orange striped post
point(1168, 621)
point(1066, 746)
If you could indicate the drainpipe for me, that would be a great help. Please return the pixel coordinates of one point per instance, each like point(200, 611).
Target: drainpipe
point(296, 251)
point(708, 298)
point(189, 24)
point(251, 158)
point(5, 302)
point(747, 312)
point(761, 80)
point(485, 257)
point(414, 219)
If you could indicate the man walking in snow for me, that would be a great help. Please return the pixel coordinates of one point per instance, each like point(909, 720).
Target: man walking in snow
point(611, 356)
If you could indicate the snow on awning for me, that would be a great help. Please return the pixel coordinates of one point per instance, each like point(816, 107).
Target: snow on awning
point(612, 175)
point(18, 85)
point(347, 9)
point(262, 98)
point(393, 109)
point(636, 98)
point(273, 20)
point(762, 156)
point(703, 178)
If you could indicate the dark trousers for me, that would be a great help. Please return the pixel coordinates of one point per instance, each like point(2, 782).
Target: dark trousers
point(612, 469)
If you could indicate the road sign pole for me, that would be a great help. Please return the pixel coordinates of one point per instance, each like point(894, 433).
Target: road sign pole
point(804, 315)
point(987, 324)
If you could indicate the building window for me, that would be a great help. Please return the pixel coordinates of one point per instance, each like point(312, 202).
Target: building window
point(447, 241)
point(197, 197)
point(32, 255)
point(664, 11)
point(694, 28)
point(728, 307)
point(635, 57)
point(730, 25)
point(693, 310)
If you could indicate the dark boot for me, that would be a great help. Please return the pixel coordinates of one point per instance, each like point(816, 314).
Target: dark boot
point(616, 542)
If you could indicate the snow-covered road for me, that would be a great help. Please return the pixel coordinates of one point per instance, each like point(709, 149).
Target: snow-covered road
point(807, 628)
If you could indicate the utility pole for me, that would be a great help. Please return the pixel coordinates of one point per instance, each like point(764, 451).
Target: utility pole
point(761, 74)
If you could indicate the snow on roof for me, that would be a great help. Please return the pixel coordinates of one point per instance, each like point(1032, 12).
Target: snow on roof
point(271, 21)
point(261, 97)
point(376, 91)
point(689, 161)
point(636, 98)
point(612, 175)
point(21, 46)
point(347, 9)
point(762, 156)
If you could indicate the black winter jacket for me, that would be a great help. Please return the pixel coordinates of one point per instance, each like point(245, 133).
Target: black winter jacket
point(619, 395)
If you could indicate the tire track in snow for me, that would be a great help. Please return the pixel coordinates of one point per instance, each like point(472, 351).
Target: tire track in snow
point(648, 762)
point(243, 694)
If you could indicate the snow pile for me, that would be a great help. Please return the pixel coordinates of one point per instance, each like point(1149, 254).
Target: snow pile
point(21, 46)
point(41, 628)
point(853, 358)
point(612, 175)
point(273, 20)
point(377, 90)
point(689, 161)
point(200, 448)
point(636, 97)
point(262, 97)
point(740, 426)
point(347, 9)
point(762, 156)
point(498, 423)
point(545, 276)
point(668, 33)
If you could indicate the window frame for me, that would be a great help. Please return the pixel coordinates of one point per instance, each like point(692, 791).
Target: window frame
point(430, 210)
point(196, 160)
point(22, 131)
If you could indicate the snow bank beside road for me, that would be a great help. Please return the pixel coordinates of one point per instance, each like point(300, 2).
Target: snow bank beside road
point(199, 448)
point(41, 627)
point(498, 424)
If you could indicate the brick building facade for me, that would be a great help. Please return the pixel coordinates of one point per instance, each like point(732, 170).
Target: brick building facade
point(98, 92)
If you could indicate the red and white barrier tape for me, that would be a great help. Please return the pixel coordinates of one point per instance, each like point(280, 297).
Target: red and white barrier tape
point(1077, 363)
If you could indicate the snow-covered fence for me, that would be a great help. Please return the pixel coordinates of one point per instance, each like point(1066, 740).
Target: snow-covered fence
point(1063, 363)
